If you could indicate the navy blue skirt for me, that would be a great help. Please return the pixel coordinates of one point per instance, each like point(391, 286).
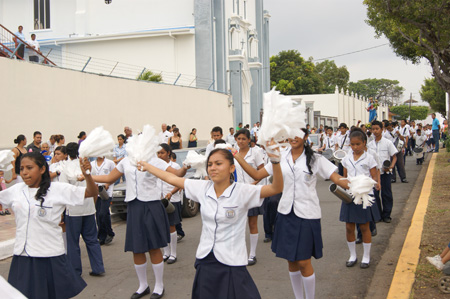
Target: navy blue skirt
point(147, 226)
point(50, 277)
point(256, 211)
point(351, 213)
point(296, 239)
point(216, 280)
point(175, 217)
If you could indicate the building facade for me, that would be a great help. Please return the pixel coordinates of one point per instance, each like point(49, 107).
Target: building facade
point(210, 44)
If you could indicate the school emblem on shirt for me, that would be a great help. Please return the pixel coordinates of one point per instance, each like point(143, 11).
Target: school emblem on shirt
point(42, 212)
point(230, 213)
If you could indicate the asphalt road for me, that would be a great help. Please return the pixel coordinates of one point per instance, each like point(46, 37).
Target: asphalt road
point(333, 279)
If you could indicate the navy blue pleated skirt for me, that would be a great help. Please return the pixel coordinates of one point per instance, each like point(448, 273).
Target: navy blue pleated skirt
point(256, 211)
point(216, 280)
point(147, 226)
point(175, 217)
point(351, 213)
point(46, 278)
point(296, 239)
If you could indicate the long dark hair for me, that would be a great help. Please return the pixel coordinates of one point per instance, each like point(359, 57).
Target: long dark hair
point(309, 153)
point(167, 148)
point(226, 154)
point(40, 161)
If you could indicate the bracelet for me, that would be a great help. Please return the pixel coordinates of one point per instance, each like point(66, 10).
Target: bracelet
point(234, 153)
point(275, 162)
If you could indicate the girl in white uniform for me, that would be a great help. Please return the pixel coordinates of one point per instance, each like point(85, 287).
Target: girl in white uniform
point(170, 193)
point(222, 255)
point(254, 158)
point(40, 268)
point(297, 235)
point(147, 222)
point(359, 162)
point(60, 157)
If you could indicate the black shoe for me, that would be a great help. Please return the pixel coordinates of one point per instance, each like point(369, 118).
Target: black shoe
point(156, 295)
point(374, 232)
point(2, 213)
point(358, 241)
point(387, 219)
point(393, 181)
point(166, 257)
point(405, 181)
point(179, 238)
point(7, 212)
point(96, 274)
point(267, 240)
point(351, 264)
point(252, 260)
point(364, 265)
point(172, 259)
point(137, 295)
point(108, 239)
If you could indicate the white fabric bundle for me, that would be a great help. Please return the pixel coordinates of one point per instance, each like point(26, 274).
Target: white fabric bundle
point(98, 143)
point(283, 118)
point(144, 146)
point(196, 161)
point(223, 145)
point(6, 157)
point(72, 170)
point(61, 165)
point(359, 187)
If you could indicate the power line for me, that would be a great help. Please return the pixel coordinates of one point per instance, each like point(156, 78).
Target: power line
point(362, 50)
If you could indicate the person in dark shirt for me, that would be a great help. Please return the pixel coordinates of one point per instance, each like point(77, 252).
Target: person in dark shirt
point(35, 146)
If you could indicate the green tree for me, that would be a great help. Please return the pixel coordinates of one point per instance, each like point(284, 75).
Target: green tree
point(417, 112)
point(332, 75)
point(416, 29)
point(291, 74)
point(150, 76)
point(384, 90)
point(432, 93)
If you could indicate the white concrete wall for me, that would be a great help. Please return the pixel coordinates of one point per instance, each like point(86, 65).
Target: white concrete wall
point(57, 101)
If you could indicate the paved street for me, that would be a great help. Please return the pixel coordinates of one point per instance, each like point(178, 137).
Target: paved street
point(333, 279)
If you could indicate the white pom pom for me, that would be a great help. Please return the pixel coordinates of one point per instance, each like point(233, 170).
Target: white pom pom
point(360, 187)
point(98, 143)
point(196, 161)
point(142, 147)
point(223, 145)
point(6, 157)
point(283, 118)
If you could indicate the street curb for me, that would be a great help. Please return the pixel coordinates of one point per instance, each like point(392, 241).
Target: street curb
point(6, 249)
point(404, 275)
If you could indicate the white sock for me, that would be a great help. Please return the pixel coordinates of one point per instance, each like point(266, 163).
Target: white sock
point(158, 270)
point(352, 248)
point(64, 235)
point(297, 284)
point(173, 244)
point(253, 244)
point(141, 271)
point(366, 256)
point(166, 250)
point(309, 284)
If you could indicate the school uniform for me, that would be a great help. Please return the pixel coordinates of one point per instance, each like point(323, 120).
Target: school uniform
point(80, 220)
point(329, 142)
point(102, 206)
point(147, 222)
point(56, 167)
point(351, 213)
point(385, 151)
point(404, 131)
point(297, 233)
point(254, 158)
point(40, 268)
point(400, 164)
point(343, 142)
point(165, 188)
point(222, 254)
point(420, 142)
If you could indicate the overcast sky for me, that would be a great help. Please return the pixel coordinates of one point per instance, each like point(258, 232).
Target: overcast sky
point(324, 28)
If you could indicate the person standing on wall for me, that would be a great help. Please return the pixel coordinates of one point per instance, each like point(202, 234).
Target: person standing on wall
point(20, 53)
point(35, 45)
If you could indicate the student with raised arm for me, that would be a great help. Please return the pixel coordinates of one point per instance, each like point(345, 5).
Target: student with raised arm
point(297, 235)
point(222, 255)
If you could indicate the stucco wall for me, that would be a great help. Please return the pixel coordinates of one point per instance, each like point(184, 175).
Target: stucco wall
point(58, 101)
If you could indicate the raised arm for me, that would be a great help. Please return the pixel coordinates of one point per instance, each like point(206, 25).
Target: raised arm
point(277, 183)
point(91, 187)
point(110, 178)
point(256, 174)
point(168, 176)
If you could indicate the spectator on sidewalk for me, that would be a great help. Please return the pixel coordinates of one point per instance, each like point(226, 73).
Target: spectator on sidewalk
point(164, 135)
point(193, 138)
point(18, 151)
point(230, 138)
point(35, 45)
point(440, 260)
point(20, 53)
point(52, 143)
point(81, 137)
point(128, 133)
point(435, 128)
point(175, 141)
point(35, 146)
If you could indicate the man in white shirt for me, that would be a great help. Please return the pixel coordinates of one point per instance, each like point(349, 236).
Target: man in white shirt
point(164, 135)
point(394, 135)
point(405, 131)
point(216, 134)
point(35, 45)
point(342, 142)
point(230, 138)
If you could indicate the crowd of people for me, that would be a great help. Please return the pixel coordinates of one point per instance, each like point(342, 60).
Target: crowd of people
point(62, 197)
